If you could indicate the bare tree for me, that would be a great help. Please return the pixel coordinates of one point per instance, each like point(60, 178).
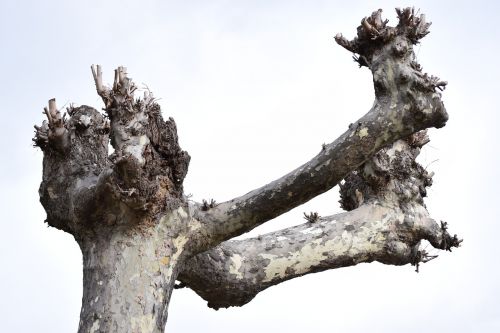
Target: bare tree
point(139, 233)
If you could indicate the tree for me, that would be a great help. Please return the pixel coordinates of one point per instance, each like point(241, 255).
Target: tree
point(139, 233)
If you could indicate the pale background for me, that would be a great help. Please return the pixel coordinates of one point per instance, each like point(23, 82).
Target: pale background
point(255, 87)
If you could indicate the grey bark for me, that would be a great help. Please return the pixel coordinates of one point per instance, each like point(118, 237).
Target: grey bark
point(386, 221)
point(406, 102)
point(127, 283)
point(138, 233)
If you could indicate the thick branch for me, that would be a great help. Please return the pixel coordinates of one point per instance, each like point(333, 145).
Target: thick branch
point(381, 126)
point(406, 102)
point(233, 273)
point(386, 221)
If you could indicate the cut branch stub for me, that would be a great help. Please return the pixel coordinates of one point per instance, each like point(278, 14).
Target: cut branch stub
point(374, 32)
point(447, 241)
point(142, 178)
point(75, 157)
point(149, 164)
point(388, 52)
point(412, 24)
point(53, 132)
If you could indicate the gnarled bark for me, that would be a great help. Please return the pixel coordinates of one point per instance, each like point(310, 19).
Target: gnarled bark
point(126, 210)
point(138, 232)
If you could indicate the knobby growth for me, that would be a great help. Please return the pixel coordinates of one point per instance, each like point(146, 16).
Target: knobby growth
point(139, 233)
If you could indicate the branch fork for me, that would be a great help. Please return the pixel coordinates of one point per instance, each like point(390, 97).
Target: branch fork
point(54, 131)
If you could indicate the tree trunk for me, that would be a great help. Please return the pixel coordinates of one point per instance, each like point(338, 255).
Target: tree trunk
point(128, 278)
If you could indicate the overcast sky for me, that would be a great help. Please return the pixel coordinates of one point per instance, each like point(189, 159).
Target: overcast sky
point(255, 88)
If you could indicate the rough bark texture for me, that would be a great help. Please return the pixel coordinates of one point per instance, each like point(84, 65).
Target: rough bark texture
point(406, 102)
point(126, 210)
point(386, 221)
point(138, 233)
point(134, 265)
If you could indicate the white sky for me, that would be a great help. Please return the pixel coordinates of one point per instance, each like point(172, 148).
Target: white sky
point(255, 87)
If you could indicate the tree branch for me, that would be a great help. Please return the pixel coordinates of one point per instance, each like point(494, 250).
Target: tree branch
point(386, 221)
point(233, 273)
point(406, 102)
